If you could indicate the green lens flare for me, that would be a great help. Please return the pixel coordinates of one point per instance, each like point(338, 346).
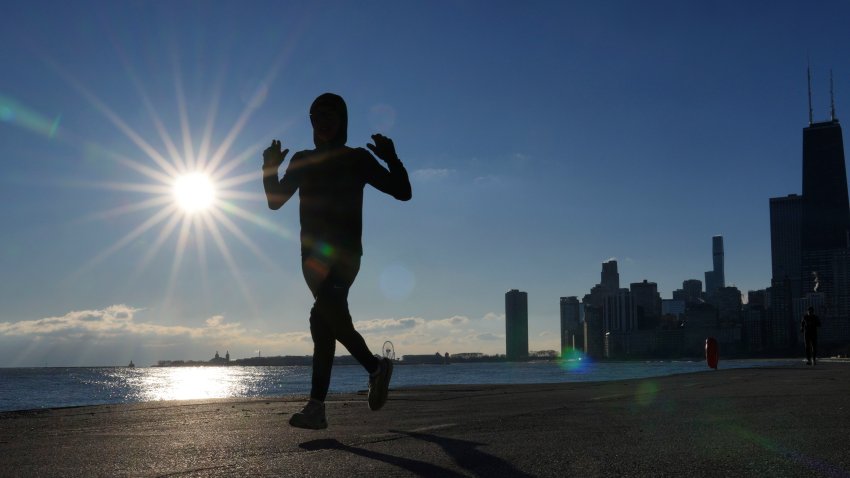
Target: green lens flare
point(14, 113)
point(646, 393)
point(572, 360)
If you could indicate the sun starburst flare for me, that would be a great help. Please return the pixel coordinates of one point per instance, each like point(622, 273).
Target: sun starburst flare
point(190, 193)
point(194, 192)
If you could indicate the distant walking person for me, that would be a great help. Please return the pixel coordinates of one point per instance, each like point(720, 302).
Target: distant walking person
point(330, 181)
point(809, 327)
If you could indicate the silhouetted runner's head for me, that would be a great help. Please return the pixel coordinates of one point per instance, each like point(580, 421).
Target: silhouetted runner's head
point(329, 117)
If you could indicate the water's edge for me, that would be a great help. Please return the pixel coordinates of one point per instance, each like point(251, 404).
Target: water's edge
point(33, 389)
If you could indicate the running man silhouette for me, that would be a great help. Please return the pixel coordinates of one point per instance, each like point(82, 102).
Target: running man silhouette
point(809, 327)
point(330, 181)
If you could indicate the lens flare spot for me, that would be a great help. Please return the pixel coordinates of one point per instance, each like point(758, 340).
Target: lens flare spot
point(646, 392)
point(194, 192)
point(14, 113)
point(316, 267)
point(397, 282)
point(326, 250)
point(54, 127)
point(6, 113)
point(382, 117)
point(573, 360)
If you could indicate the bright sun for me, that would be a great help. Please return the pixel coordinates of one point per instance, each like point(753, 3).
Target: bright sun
point(194, 192)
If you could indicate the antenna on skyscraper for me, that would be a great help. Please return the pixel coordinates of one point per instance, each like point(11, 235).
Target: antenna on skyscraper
point(831, 98)
point(809, 74)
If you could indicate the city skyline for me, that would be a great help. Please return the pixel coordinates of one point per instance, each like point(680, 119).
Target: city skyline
point(810, 263)
point(542, 140)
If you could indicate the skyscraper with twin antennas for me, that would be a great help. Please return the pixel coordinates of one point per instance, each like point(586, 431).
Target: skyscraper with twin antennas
point(810, 233)
point(825, 231)
point(826, 210)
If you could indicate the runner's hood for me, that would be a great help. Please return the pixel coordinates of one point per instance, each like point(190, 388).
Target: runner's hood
point(335, 103)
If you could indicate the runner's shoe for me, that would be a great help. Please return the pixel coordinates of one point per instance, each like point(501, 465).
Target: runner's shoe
point(379, 384)
point(311, 417)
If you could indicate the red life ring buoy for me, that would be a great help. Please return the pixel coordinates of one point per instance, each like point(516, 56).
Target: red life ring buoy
point(711, 352)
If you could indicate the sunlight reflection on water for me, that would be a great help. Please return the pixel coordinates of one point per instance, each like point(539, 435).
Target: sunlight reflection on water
point(192, 383)
point(30, 388)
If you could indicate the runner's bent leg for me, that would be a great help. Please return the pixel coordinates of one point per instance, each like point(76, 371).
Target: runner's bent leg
point(808, 342)
point(324, 346)
point(332, 303)
point(815, 347)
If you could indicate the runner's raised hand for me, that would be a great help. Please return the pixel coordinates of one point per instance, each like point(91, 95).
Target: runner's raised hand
point(383, 148)
point(273, 156)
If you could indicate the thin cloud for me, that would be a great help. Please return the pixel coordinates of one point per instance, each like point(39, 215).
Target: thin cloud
point(490, 337)
point(451, 322)
point(374, 326)
point(121, 323)
point(117, 321)
point(487, 180)
point(520, 159)
point(415, 335)
point(432, 174)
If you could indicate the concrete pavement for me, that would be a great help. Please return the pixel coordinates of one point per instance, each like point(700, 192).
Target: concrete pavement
point(791, 421)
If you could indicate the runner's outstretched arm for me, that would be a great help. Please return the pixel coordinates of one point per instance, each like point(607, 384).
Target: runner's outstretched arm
point(278, 191)
point(394, 182)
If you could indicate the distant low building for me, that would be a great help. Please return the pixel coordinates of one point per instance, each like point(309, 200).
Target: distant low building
point(218, 360)
point(436, 358)
point(467, 355)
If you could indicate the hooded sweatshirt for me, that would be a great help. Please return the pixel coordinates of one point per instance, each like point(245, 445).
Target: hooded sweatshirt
point(330, 181)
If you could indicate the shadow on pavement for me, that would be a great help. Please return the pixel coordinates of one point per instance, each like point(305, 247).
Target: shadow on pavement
point(467, 456)
point(414, 466)
point(463, 452)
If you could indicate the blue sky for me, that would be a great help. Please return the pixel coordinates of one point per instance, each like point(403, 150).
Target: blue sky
point(542, 138)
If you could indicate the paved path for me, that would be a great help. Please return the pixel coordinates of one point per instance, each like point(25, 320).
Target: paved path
point(792, 421)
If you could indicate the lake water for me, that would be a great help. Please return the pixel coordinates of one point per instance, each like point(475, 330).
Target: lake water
point(32, 388)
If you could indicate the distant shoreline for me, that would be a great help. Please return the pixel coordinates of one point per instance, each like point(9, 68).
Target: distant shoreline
point(346, 360)
point(306, 360)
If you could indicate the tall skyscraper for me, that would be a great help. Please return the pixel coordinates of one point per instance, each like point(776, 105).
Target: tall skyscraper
point(516, 325)
point(617, 312)
point(786, 222)
point(728, 300)
point(614, 302)
point(646, 304)
point(692, 289)
point(826, 210)
point(810, 236)
point(786, 215)
point(825, 235)
point(715, 278)
point(571, 336)
point(718, 259)
point(610, 277)
point(594, 331)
